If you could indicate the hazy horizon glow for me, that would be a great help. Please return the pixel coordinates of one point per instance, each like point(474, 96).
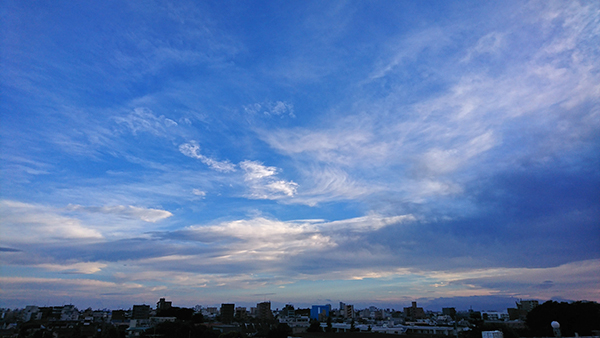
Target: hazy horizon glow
point(373, 153)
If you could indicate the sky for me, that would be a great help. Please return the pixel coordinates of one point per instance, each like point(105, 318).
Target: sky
point(303, 152)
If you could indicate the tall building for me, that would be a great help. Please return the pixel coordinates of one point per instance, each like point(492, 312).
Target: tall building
point(263, 311)
point(523, 308)
point(241, 313)
point(320, 312)
point(227, 312)
point(413, 312)
point(449, 311)
point(527, 305)
point(346, 310)
point(163, 305)
point(288, 311)
point(140, 312)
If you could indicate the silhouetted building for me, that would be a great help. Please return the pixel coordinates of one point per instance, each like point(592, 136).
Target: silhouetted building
point(140, 312)
point(347, 310)
point(527, 305)
point(241, 313)
point(118, 316)
point(227, 312)
point(163, 305)
point(288, 311)
point(449, 311)
point(263, 311)
point(413, 312)
point(523, 308)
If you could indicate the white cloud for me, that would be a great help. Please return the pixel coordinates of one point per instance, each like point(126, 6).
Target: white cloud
point(263, 183)
point(199, 192)
point(490, 44)
point(285, 187)
point(29, 223)
point(192, 149)
point(408, 48)
point(277, 108)
point(366, 223)
point(256, 170)
point(429, 148)
point(145, 214)
point(144, 120)
point(441, 161)
point(79, 268)
point(264, 239)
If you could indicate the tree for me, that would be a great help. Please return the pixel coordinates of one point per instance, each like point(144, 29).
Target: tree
point(579, 317)
point(231, 334)
point(315, 326)
point(281, 331)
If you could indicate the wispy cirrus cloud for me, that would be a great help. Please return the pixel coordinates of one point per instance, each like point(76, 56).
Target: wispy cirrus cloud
point(269, 108)
point(144, 120)
point(263, 182)
point(74, 268)
point(146, 215)
point(192, 149)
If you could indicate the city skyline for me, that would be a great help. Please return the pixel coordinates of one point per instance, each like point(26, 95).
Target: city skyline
point(366, 152)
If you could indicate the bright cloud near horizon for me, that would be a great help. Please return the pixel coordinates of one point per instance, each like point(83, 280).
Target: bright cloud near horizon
point(307, 152)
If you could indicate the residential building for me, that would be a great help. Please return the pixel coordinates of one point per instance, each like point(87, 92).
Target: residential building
point(264, 311)
point(347, 311)
point(163, 305)
point(140, 312)
point(320, 312)
point(241, 313)
point(413, 312)
point(449, 311)
point(227, 312)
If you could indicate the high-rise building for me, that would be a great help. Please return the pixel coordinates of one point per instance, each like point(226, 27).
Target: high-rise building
point(348, 311)
point(527, 305)
point(163, 305)
point(264, 311)
point(413, 312)
point(227, 312)
point(449, 311)
point(320, 312)
point(140, 312)
point(523, 308)
point(241, 313)
point(288, 311)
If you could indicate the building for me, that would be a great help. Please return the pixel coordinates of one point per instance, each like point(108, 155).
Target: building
point(347, 311)
point(523, 308)
point(163, 305)
point(140, 312)
point(241, 313)
point(263, 311)
point(527, 305)
point(492, 334)
point(320, 312)
point(494, 315)
point(288, 311)
point(227, 312)
point(449, 311)
point(413, 312)
point(31, 312)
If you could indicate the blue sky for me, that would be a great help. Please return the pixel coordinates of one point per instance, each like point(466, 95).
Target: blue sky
point(306, 152)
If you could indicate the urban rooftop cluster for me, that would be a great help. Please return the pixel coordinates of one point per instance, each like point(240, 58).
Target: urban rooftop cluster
point(68, 322)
